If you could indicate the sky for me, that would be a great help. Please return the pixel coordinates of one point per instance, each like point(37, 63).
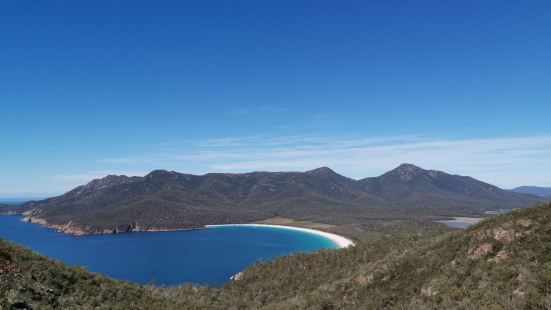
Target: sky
point(90, 88)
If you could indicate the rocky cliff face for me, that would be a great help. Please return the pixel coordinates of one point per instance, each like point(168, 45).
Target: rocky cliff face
point(68, 228)
point(99, 184)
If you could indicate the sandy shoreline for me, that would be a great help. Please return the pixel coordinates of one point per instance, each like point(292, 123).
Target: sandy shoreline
point(340, 241)
point(71, 229)
point(468, 220)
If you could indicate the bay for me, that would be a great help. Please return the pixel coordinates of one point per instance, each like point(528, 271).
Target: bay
point(203, 256)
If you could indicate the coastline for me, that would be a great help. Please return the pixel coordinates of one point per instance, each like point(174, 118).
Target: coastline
point(468, 220)
point(75, 230)
point(340, 241)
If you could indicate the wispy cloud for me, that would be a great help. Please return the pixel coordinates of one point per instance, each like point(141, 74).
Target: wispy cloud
point(503, 161)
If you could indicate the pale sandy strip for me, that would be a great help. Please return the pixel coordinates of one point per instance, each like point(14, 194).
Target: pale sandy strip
point(468, 220)
point(341, 241)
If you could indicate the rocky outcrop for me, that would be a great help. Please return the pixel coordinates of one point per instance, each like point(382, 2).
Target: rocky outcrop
point(75, 229)
point(68, 228)
point(481, 251)
point(237, 276)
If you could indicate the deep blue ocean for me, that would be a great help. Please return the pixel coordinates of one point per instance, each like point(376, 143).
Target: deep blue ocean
point(205, 256)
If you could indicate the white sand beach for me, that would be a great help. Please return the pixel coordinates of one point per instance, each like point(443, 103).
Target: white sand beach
point(468, 220)
point(341, 241)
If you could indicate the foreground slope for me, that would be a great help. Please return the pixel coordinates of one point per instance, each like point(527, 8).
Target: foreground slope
point(501, 263)
point(171, 200)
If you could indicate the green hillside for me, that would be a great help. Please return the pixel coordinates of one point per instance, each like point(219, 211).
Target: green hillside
point(501, 263)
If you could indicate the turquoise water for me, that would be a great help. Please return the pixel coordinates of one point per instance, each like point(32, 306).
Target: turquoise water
point(205, 256)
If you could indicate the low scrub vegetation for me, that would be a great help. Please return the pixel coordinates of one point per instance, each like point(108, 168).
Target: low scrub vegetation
point(500, 263)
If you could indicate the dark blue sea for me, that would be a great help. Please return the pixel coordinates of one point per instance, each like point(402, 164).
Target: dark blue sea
point(11, 202)
point(205, 256)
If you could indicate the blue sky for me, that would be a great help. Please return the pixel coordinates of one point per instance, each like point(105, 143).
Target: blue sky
point(125, 87)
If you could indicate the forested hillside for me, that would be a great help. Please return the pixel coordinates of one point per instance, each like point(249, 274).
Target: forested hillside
point(164, 200)
point(501, 263)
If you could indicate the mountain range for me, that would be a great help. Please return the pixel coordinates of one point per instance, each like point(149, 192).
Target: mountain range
point(534, 190)
point(167, 200)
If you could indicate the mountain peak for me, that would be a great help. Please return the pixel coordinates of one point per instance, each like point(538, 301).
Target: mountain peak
point(322, 171)
point(160, 173)
point(407, 172)
point(408, 167)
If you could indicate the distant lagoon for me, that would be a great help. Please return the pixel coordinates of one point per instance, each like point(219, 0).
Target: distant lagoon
point(464, 222)
point(455, 224)
point(461, 222)
point(498, 211)
point(203, 256)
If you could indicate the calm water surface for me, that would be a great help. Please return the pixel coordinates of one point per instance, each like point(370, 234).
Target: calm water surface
point(499, 211)
point(455, 224)
point(165, 258)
